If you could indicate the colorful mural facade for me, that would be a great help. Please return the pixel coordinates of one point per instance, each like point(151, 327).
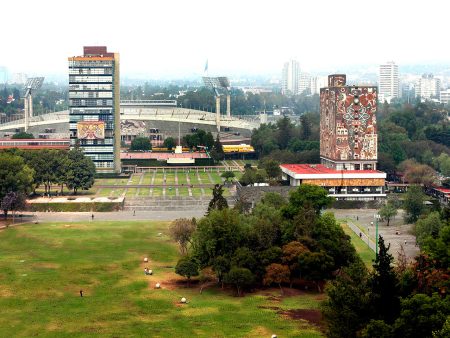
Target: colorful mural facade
point(90, 130)
point(348, 126)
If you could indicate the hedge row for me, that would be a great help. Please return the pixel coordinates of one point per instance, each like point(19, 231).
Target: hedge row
point(76, 207)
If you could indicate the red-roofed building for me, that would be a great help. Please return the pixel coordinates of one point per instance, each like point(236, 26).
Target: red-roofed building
point(341, 184)
point(441, 193)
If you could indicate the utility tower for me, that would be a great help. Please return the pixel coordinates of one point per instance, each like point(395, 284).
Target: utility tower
point(31, 86)
point(219, 84)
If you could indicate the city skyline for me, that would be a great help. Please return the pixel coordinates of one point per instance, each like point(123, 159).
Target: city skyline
point(178, 42)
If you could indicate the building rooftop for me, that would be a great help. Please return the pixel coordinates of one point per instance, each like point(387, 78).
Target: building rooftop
point(321, 169)
point(160, 156)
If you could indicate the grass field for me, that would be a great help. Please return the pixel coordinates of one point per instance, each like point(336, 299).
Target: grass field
point(43, 267)
point(143, 192)
point(366, 254)
point(147, 178)
point(215, 176)
point(157, 192)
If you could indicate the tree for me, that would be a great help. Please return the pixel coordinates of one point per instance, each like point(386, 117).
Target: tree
point(80, 171)
point(273, 199)
point(221, 266)
point(285, 130)
point(314, 195)
point(169, 143)
point(240, 278)
point(218, 202)
point(291, 252)
point(141, 143)
point(217, 152)
point(384, 297)
point(428, 227)
point(272, 168)
point(187, 267)
point(206, 276)
point(346, 310)
point(13, 201)
point(220, 233)
point(377, 329)
point(422, 315)
point(316, 266)
point(228, 175)
point(413, 203)
point(420, 174)
point(277, 273)
point(181, 231)
point(245, 258)
point(208, 140)
point(15, 175)
point(22, 135)
point(388, 211)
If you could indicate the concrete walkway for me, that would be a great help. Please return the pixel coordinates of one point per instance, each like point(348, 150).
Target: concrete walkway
point(112, 216)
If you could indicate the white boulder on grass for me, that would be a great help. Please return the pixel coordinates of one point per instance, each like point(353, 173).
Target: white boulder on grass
point(150, 272)
point(158, 285)
point(183, 300)
point(145, 259)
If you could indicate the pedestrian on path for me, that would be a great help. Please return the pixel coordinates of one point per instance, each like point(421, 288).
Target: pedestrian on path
point(92, 216)
point(81, 293)
point(134, 212)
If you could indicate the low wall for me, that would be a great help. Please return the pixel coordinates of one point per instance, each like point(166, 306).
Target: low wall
point(170, 203)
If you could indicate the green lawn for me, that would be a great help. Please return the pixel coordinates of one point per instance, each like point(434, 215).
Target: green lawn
point(171, 191)
point(193, 177)
point(105, 192)
point(183, 192)
point(159, 178)
point(366, 254)
point(157, 192)
point(216, 177)
point(135, 178)
point(105, 181)
point(117, 192)
point(43, 267)
point(147, 178)
point(182, 179)
point(196, 192)
point(131, 192)
point(144, 192)
point(170, 178)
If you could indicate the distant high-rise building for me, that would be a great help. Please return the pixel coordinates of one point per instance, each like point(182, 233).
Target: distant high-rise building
point(428, 87)
point(388, 82)
point(318, 82)
point(18, 78)
point(304, 83)
point(94, 106)
point(445, 96)
point(290, 78)
point(348, 127)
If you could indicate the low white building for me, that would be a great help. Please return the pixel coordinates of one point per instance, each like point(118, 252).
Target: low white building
point(363, 185)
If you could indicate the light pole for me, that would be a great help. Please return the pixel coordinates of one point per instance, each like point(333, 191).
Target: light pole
point(376, 236)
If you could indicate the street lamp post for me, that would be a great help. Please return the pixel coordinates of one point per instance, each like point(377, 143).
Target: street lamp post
point(376, 236)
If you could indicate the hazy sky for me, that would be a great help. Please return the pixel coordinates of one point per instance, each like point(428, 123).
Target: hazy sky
point(173, 38)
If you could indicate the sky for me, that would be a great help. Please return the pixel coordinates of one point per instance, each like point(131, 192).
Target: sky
point(174, 38)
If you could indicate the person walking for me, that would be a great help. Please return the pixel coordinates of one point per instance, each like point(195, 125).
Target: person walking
point(81, 293)
point(92, 216)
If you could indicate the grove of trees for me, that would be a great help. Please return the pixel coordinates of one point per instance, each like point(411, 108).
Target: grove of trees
point(23, 171)
point(279, 242)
